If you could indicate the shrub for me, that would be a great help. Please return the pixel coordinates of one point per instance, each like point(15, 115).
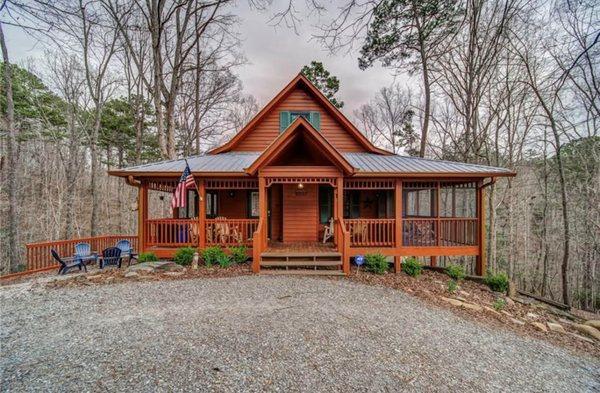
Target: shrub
point(497, 282)
point(239, 254)
point(224, 260)
point(184, 256)
point(456, 272)
point(211, 255)
point(452, 286)
point(499, 304)
point(412, 267)
point(147, 257)
point(376, 263)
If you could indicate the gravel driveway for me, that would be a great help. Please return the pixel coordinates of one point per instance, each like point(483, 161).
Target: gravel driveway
point(257, 333)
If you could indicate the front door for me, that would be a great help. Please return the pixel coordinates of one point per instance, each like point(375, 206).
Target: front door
point(300, 213)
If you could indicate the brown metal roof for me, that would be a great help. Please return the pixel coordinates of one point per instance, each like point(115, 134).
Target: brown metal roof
point(364, 163)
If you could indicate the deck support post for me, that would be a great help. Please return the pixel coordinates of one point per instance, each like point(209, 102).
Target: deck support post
point(142, 215)
point(398, 227)
point(259, 243)
point(480, 262)
point(201, 215)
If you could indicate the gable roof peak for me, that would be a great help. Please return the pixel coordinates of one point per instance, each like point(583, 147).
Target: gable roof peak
point(300, 78)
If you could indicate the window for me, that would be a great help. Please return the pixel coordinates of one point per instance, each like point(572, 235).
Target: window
point(352, 204)
point(191, 208)
point(253, 207)
point(325, 204)
point(211, 204)
point(287, 117)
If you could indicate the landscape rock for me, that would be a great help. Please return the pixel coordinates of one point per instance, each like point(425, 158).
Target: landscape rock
point(131, 274)
point(454, 302)
point(173, 274)
point(588, 330)
point(471, 306)
point(532, 315)
point(595, 323)
point(517, 321)
point(506, 313)
point(555, 327)
point(540, 326)
point(153, 267)
point(509, 301)
point(489, 309)
point(464, 293)
point(580, 337)
point(462, 299)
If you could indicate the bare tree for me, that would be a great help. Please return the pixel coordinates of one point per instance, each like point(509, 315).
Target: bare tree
point(388, 119)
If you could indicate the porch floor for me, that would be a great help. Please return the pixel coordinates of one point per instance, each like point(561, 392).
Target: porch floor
point(300, 248)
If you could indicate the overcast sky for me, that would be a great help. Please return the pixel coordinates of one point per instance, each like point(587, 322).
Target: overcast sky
point(275, 55)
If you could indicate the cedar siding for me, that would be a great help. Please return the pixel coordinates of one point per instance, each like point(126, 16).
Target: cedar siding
point(300, 100)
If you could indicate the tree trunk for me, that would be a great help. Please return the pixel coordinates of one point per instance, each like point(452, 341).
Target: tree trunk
point(11, 152)
point(94, 172)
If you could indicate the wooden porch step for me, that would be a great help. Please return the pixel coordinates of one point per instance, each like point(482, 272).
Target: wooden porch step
point(293, 263)
point(297, 272)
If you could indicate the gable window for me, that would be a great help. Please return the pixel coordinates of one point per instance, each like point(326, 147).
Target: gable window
point(287, 117)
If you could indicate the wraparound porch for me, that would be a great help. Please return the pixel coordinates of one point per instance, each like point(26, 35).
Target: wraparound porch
point(425, 225)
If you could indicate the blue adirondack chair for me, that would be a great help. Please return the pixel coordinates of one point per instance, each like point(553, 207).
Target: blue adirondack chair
point(83, 252)
point(67, 264)
point(126, 250)
point(111, 256)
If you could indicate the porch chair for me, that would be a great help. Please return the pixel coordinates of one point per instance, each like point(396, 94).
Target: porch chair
point(222, 230)
point(67, 264)
point(111, 256)
point(194, 231)
point(83, 252)
point(127, 250)
point(328, 231)
point(358, 230)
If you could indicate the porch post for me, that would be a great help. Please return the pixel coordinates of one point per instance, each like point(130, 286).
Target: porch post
point(201, 214)
point(262, 206)
point(398, 222)
point(480, 264)
point(142, 215)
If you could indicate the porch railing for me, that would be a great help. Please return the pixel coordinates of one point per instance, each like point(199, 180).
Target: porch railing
point(171, 232)
point(38, 257)
point(371, 232)
point(445, 232)
point(230, 231)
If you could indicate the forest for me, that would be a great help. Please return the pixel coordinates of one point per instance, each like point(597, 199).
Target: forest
point(510, 83)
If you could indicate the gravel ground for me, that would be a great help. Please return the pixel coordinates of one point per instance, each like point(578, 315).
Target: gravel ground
point(257, 333)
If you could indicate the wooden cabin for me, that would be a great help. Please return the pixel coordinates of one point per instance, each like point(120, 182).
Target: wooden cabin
point(300, 168)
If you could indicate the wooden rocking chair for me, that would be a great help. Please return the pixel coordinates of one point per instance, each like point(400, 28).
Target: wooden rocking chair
point(328, 231)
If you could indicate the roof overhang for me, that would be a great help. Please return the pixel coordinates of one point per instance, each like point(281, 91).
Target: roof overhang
point(278, 146)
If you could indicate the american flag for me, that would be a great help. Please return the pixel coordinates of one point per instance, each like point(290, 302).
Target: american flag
point(186, 181)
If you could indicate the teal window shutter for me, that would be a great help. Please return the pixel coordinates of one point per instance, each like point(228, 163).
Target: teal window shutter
point(284, 120)
point(315, 120)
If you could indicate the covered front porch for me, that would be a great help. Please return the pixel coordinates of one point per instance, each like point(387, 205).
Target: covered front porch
point(275, 214)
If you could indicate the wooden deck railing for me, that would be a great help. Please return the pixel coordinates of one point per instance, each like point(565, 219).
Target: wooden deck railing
point(38, 257)
point(230, 231)
point(371, 232)
point(458, 232)
point(444, 232)
point(171, 232)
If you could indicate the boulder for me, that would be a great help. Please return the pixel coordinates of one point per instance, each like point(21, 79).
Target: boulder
point(580, 337)
point(588, 330)
point(471, 306)
point(595, 323)
point(489, 309)
point(517, 321)
point(454, 302)
point(555, 327)
point(153, 267)
point(540, 326)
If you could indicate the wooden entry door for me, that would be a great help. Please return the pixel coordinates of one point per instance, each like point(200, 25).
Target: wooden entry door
point(300, 213)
